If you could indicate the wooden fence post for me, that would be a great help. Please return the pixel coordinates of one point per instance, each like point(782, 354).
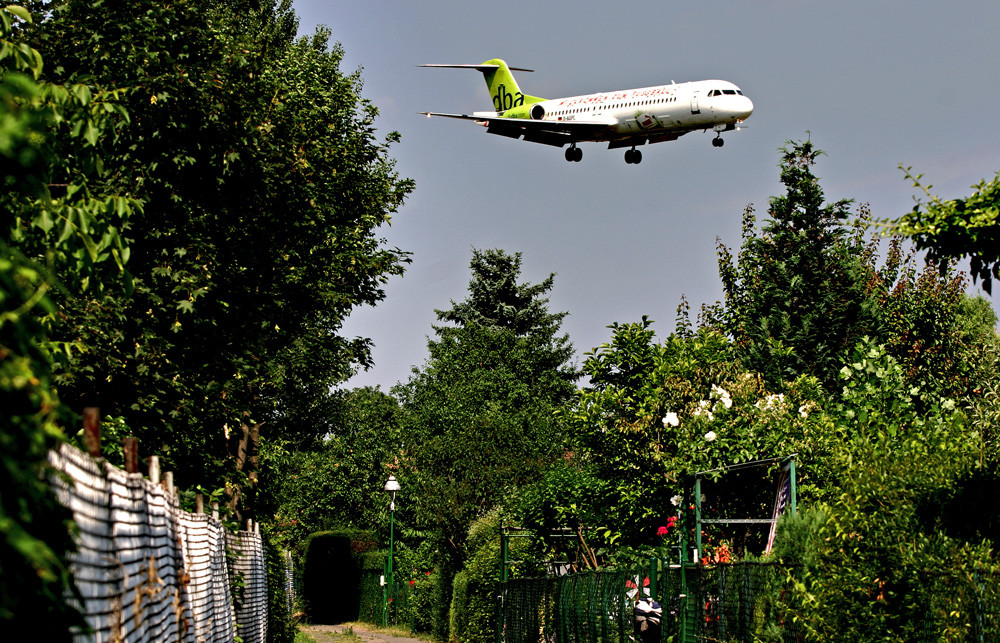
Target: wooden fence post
point(92, 430)
point(154, 469)
point(131, 448)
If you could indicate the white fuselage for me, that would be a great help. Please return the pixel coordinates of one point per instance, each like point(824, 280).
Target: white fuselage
point(651, 111)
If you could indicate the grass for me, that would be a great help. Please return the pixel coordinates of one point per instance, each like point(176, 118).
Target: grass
point(348, 636)
point(399, 631)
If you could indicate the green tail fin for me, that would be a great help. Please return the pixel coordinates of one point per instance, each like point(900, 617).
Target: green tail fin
point(503, 88)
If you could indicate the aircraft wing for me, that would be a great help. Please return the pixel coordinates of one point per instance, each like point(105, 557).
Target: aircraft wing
point(548, 132)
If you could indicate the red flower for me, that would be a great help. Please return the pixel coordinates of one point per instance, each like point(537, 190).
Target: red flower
point(662, 531)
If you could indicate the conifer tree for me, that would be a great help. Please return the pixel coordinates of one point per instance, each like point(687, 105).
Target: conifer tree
point(798, 296)
point(478, 417)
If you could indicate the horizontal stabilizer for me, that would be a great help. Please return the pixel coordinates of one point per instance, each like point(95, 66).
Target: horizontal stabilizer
point(482, 67)
point(475, 116)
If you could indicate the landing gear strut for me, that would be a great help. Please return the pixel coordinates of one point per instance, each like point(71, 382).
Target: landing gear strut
point(574, 154)
point(718, 142)
point(633, 156)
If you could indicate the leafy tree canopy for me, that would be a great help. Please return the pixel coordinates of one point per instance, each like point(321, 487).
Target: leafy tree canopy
point(758, 379)
point(957, 228)
point(57, 236)
point(262, 186)
point(332, 485)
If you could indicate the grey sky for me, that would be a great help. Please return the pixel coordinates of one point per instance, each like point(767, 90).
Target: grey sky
point(877, 83)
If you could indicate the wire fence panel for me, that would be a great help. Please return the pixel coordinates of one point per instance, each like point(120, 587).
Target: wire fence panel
point(725, 603)
point(732, 602)
point(593, 606)
point(390, 603)
point(372, 597)
point(147, 571)
point(736, 602)
point(528, 610)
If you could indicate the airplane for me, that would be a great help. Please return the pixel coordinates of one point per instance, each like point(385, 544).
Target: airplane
point(626, 118)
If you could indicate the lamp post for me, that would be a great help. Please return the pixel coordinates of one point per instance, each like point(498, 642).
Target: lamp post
point(391, 486)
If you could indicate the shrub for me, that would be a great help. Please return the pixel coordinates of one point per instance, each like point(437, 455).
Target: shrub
point(331, 576)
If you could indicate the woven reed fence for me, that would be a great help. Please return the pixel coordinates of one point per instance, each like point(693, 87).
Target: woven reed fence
point(148, 571)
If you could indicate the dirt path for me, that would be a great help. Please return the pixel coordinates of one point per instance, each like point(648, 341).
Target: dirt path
point(324, 634)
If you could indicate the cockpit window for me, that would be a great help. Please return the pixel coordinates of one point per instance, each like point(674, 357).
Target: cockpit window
point(728, 92)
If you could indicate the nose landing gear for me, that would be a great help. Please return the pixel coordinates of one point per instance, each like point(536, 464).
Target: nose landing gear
point(574, 154)
point(633, 156)
point(718, 142)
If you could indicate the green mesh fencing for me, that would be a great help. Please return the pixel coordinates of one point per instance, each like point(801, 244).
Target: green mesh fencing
point(578, 608)
point(963, 606)
point(391, 606)
point(528, 610)
point(371, 597)
point(734, 602)
point(728, 602)
point(943, 605)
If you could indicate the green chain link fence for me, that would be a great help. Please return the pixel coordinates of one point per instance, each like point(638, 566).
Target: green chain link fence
point(962, 607)
point(732, 602)
point(727, 602)
point(371, 597)
point(396, 600)
point(578, 608)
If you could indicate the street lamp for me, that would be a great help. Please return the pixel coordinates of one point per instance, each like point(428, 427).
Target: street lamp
point(391, 486)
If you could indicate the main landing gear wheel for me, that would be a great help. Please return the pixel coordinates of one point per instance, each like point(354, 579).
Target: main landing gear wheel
point(633, 156)
point(718, 142)
point(574, 154)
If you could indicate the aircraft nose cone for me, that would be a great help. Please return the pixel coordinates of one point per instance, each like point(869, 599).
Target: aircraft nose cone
point(744, 109)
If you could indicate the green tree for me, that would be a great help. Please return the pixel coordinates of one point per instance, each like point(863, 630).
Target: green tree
point(478, 417)
point(656, 413)
point(920, 321)
point(891, 542)
point(57, 235)
point(797, 297)
point(331, 486)
point(263, 186)
point(956, 229)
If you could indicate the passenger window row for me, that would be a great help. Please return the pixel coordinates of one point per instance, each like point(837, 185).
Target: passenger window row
point(616, 106)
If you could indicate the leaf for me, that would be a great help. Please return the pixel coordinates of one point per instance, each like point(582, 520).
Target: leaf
point(19, 11)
